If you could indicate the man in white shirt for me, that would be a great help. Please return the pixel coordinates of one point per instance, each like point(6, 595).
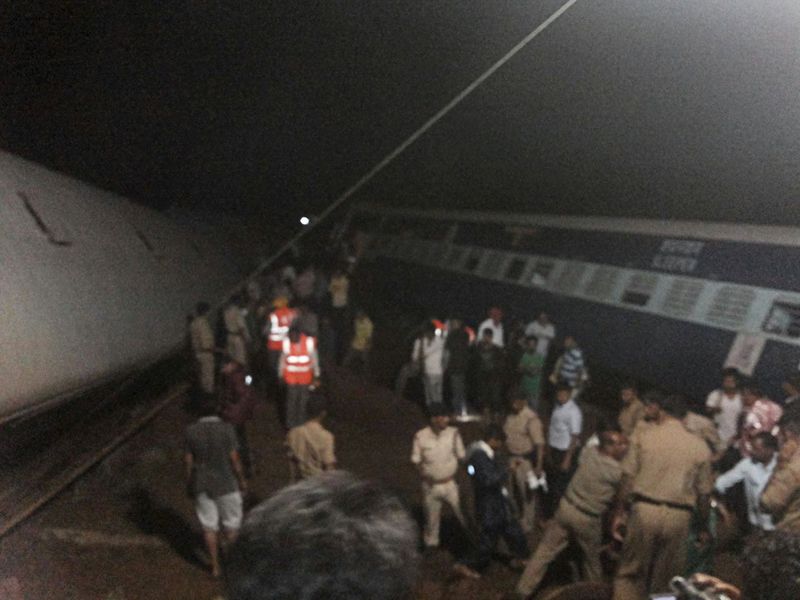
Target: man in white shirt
point(495, 323)
point(563, 440)
point(437, 451)
point(755, 472)
point(725, 405)
point(428, 352)
point(544, 332)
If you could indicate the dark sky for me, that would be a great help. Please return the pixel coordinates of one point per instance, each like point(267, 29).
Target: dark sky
point(657, 108)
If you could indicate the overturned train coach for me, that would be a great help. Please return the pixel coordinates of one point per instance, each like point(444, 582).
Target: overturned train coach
point(92, 286)
point(668, 302)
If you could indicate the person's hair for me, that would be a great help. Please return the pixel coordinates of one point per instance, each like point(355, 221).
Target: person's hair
point(675, 406)
point(206, 405)
point(769, 440)
point(493, 431)
point(330, 536)
point(790, 421)
point(771, 566)
point(794, 380)
point(563, 386)
point(630, 384)
point(437, 409)
point(315, 406)
point(732, 372)
point(202, 308)
point(487, 331)
point(752, 386)
point(607, 438)
point(608, 423)
point(653, 397)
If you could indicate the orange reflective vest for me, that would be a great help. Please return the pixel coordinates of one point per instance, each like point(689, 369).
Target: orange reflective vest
point(280, 320)
point(298, 368)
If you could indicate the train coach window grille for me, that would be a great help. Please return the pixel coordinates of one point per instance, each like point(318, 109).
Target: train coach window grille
point(47, 227)
point(783, 319)
point(602, 282)
point(682, 297)
point(730, 306)
point(515, 269)
point(455, 257)
point(541, 272)
point(491, 266)
point(473, 260)
point(569, 278)
point(639, 289)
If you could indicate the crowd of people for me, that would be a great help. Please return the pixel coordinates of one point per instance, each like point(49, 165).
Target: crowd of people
point(640, 496)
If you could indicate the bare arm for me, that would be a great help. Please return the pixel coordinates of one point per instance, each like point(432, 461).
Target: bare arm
point(236, 463)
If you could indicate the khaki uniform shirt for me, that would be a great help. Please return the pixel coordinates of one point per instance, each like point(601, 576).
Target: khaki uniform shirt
point(438, 455)
point(595, 483)
point(311, 448)
point(668, 463)
point(781, 497)
point(235, 323)
point(630, 415)
point(201, 335)
point(524, 431)
point(704, 428)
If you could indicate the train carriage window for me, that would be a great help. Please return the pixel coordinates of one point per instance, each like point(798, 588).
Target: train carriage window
point(783, 319)
point(682, 297)
point(473, 260)
point(541, 272)
point(730, 306)
point(602, 282)
point(455, 257)
point(639, 289)
point(515, 269)
point(569, 278)
point(491, 266)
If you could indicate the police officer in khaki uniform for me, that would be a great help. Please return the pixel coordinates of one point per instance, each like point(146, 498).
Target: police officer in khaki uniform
point(238, 336)
point(580, 512)
point(632, 407)
point(667, 475)
point(310, 445)
point(525, 444)
point(705, 429)
point(436, 453)
point(781, 496)
point(202, 340)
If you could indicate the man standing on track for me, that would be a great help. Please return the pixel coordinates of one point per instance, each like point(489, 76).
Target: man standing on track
point(525, 443)
point(311, 446)
point(429, 353)
point(202, 340)
point(237, 334)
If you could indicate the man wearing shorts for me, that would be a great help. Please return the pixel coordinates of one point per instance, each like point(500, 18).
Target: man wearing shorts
point(215, 476)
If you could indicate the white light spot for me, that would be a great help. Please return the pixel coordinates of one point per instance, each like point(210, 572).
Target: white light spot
point(248, 380)
point(304, 220)
point(470, 469)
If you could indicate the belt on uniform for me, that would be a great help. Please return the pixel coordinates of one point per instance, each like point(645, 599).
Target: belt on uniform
point(581, 510)
point(675, 505)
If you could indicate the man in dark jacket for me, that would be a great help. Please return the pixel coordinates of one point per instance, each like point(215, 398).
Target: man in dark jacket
point(492, 507)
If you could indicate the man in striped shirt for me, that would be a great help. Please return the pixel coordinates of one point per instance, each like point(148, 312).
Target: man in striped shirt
point(570, 367)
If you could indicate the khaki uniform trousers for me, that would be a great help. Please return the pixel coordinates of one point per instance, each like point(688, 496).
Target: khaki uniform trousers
point(524, 498)
point(205, 371)
point(237, 349)
point(568, 523)
point(654, 550)
point(433, 495)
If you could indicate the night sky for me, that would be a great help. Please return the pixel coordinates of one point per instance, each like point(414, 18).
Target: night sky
point(654, 108)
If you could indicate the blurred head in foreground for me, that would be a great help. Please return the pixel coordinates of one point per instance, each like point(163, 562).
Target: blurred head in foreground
point(331, 536)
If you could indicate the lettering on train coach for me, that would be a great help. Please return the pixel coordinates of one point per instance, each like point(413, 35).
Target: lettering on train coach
point(679, 256)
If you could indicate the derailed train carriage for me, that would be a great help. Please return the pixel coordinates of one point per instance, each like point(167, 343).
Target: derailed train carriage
point(92, 286)
point(668, 302)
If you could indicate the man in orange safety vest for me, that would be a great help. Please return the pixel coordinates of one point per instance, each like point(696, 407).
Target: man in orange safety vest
point(277, 328)
point(298, 368)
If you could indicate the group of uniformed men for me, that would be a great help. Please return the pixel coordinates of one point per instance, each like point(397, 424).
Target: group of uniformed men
point(650, 473)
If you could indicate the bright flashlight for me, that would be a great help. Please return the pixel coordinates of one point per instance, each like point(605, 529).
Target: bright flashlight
point(304, 220)
point(248, 380)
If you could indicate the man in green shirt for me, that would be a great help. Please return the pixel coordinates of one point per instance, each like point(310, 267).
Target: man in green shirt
point(530, 366)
